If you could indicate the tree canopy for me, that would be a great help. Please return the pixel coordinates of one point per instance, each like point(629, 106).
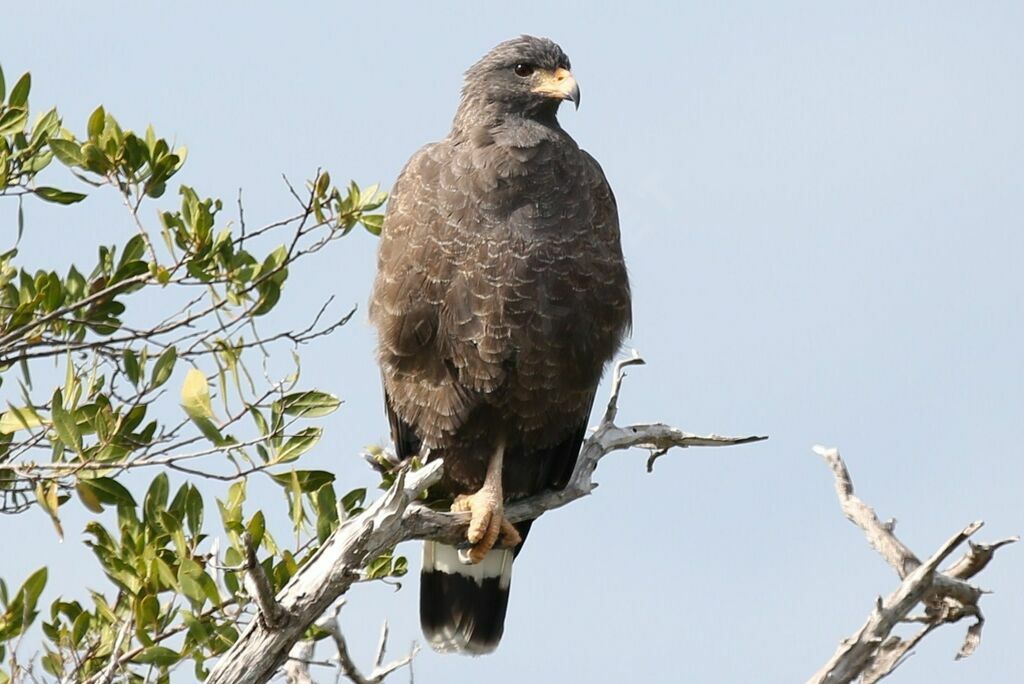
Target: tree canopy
point(152, 357)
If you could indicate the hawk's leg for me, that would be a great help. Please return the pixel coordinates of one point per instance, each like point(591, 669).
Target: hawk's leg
point(488, 524)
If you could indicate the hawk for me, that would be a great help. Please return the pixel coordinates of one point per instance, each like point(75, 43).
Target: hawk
point(500, 296)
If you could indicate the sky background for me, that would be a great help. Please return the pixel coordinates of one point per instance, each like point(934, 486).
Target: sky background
point(821, 209)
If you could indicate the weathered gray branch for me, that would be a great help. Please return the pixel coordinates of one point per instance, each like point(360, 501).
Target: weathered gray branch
point(261, 650)
point(297, 668)
point(259, 587)
point(872, 652)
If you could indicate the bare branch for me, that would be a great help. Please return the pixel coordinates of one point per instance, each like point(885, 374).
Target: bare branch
point(296, 670)
point(425, 523)
point(332, 625)
point(872, 653)
point(880, 535)
point(260, 589)
point(612, 409)
point(891, 654)
point(856, 653)
point(975, 560)
point(260, 651)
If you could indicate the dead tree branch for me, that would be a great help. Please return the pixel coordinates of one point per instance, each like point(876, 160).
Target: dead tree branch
point(872, 652)
point(260, 650)
point(259, 587)
point(297, 668)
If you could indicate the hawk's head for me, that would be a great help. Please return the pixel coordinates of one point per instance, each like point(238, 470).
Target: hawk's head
point(525, 76)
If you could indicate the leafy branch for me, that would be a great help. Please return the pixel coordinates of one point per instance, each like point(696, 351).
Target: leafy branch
point(156, 356)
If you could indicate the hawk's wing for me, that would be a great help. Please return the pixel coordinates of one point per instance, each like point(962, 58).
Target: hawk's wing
point(604, 227)
point(414, 271)
point(457, 305)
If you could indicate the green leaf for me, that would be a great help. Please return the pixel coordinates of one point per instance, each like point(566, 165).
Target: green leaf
point(368, 196)
point(131, 366)
point(46, 496)
point(164, 572)
point(23, 418)
point(236, 494)
point(194, 511)
point(209, 588)
point(21, 611)
point(67, 151)
point(88, 496)
point(156, 496)
point(188, 579)
point(64, 423)
point(33, 587)
point(3, 86)
point(311, 404)
point(72, 387)
point(147, 613)
point(134, 249)
point(19, 93)
point(374, 223)
point(270, 293)
point(13, 120)
point(96, 122)
point(379, 567)
point(256, 527)
point(322, 183)
point(261, 422)
point(171, 523)
point(80, 627)
point(59, 196)
point(160, 656)
point(195, 399)
point(195, 395)
point(212, 432)
point(38, 162)
point(353, 501)
point(109, 491)
point(306, 480)
point(45, 127)
point(95, 160)
point(164, 367)
point(326, 506)
point(297, 445)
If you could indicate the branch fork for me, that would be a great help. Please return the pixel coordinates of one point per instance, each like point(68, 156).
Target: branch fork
point(872, 652)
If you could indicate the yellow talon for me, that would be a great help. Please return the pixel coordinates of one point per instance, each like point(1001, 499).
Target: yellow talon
point(487, 524)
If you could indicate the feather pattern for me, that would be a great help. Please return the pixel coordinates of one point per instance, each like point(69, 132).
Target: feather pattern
point(501, 293)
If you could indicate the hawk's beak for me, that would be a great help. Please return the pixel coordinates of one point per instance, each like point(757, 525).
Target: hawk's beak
point(561, 84)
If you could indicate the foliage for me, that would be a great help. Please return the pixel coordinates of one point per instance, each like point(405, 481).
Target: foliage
point(178, 304)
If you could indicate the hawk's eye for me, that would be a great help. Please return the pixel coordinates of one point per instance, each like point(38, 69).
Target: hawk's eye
point(523, 69)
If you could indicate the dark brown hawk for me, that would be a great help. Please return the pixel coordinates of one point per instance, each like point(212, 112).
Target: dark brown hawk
point(500, 296)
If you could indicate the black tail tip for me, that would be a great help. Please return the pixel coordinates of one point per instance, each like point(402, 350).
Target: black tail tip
point(463, 612)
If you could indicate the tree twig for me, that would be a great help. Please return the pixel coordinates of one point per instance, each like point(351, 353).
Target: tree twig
point(381, 670)
point(107, 675)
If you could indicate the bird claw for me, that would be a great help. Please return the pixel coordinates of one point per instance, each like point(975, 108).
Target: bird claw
point(488, 526)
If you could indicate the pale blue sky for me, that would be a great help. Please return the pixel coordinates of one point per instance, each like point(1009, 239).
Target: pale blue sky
point(821, 207)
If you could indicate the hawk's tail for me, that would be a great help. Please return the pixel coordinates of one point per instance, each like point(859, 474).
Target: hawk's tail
point(462, 607)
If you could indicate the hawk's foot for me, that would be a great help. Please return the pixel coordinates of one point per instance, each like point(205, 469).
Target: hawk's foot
point(488, 526)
